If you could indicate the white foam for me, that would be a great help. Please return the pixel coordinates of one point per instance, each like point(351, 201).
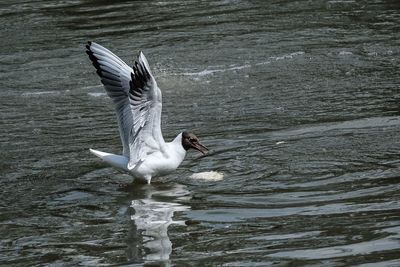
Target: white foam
point(212, 71)
point(40, 93)
point(345, 53)
point(208, 176)
point(289, 56)
point(97, 94)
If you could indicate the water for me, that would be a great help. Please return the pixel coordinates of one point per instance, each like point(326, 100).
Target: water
point(298, 100)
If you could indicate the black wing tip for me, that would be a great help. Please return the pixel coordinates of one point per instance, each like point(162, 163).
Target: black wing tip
point(106, 78)
point(88, 45)
point(89, 50)
point(140, 70)
point(141, 74)
point(93, 58)
point(140, 79)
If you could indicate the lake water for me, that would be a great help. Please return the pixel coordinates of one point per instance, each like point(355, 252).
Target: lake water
point(298, 101)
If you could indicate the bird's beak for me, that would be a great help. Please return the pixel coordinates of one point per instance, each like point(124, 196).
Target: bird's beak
point(203, 149)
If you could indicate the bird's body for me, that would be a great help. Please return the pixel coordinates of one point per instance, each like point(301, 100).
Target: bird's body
point(156, 164)
point(138, 104)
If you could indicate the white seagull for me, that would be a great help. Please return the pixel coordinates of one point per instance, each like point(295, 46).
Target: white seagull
point(137, 100)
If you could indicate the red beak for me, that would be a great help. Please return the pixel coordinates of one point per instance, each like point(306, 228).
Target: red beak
point(203, 149)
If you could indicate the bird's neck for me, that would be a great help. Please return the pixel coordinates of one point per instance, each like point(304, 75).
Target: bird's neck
point(176, 148)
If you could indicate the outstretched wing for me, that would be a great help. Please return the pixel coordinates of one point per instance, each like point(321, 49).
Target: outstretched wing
point(137, 100)
point(145, 100)
point(116, 77)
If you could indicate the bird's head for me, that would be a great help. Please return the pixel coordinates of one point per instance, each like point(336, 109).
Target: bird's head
point(189, 140)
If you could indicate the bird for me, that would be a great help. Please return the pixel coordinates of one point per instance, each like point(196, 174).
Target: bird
point(138, 105)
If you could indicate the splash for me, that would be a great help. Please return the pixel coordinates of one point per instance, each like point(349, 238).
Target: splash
point(97, 94)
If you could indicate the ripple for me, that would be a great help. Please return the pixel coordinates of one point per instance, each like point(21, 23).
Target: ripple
point(301, 116)
point(383, 244)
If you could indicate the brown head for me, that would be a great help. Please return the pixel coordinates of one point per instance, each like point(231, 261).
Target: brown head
point(189, 140)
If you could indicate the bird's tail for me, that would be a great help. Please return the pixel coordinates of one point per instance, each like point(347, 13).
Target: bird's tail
point(117, 161)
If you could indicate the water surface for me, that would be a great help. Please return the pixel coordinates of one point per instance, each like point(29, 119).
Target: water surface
point(298, 100)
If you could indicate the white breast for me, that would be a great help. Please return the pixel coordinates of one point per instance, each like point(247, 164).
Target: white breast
point(159, 163)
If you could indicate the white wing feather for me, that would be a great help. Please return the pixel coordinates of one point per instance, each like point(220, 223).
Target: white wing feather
point(145, 99)
point(137, 101)
point(115, 76)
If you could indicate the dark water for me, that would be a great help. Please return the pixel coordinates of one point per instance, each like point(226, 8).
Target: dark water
point(299, 101)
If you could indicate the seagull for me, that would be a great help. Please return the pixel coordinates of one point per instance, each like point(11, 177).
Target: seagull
point(138, 104)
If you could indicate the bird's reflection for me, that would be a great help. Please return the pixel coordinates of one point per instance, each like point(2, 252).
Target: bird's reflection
point(153, 212)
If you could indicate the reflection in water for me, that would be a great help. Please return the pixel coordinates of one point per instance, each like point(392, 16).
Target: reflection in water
point(152, 218)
